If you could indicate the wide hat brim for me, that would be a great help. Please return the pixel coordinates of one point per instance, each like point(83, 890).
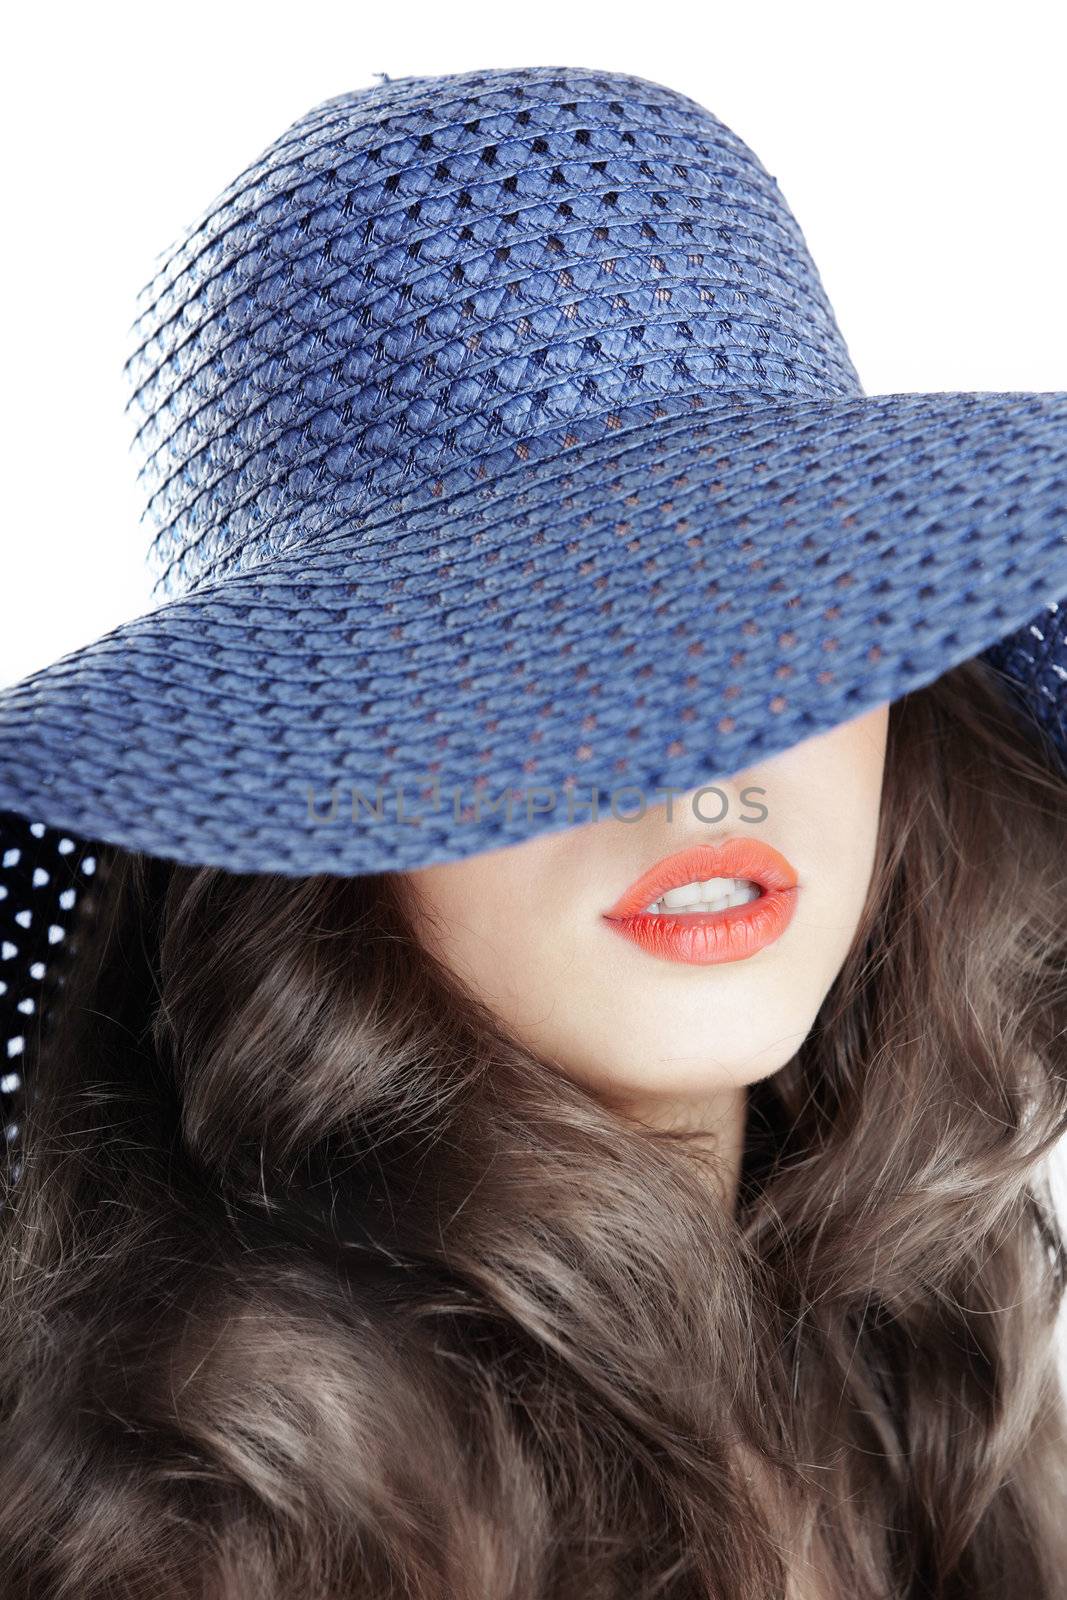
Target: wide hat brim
point(652, 603)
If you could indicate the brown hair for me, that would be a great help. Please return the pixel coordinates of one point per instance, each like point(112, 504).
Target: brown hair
point(316, 1284)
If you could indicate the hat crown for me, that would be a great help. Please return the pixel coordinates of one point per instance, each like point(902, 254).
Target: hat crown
point(416, 273)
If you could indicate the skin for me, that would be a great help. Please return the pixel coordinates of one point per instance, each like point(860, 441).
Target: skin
point(673, 1045)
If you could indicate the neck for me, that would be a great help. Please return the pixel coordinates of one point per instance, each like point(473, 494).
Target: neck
point(719, 1118)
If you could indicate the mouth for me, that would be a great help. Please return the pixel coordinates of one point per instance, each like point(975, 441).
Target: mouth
point(709, 903)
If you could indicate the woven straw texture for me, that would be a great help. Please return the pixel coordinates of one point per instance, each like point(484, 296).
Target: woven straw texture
point(496, 432)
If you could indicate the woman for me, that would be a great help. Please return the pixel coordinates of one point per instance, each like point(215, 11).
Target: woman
point(438, 1187)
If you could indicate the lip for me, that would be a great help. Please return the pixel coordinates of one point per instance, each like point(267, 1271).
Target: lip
point(706, 937)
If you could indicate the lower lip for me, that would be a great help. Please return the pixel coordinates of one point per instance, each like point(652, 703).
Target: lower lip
point(703, 938)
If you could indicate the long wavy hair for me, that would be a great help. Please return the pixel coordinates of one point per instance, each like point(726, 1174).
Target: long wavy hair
point(317, 1284)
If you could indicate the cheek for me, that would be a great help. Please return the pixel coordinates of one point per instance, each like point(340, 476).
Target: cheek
point(836, 785)
point(493, 933)
point(525, 966)
point(529, 955)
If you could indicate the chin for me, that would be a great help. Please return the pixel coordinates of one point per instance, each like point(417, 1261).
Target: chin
point(689, 1079)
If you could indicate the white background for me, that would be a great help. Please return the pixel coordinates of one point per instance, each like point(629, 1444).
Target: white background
point(920, 146)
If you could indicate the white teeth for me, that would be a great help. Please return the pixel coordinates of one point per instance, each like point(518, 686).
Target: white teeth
point(711, 894)
point(686, 895)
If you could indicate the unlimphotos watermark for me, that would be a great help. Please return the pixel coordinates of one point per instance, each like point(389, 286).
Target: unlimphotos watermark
point(628, 803)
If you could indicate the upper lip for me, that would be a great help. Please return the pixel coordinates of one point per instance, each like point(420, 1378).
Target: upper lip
point(732, 858)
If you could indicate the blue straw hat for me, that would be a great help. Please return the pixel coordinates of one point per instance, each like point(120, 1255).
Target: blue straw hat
point(502, 451)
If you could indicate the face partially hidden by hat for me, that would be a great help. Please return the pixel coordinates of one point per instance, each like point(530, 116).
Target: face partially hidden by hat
point(704, 992)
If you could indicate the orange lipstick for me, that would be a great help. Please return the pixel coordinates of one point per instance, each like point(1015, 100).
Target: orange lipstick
point(700, 937)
